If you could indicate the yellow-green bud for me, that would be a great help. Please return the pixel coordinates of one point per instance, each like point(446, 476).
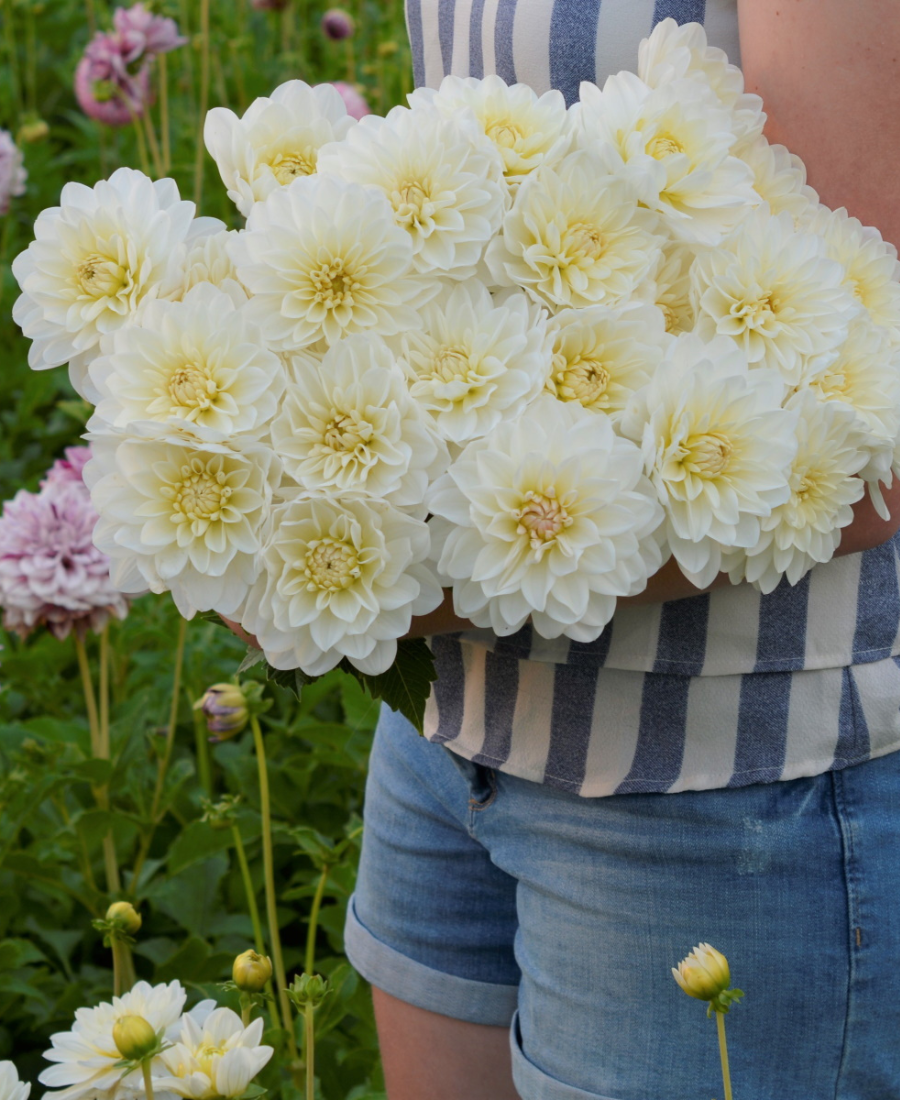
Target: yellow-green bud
point(225, 707)
point(308, 989)
point(125, 915)
point(251, 971)
point(33, 129)
point(134, 1037)
point(704, 974)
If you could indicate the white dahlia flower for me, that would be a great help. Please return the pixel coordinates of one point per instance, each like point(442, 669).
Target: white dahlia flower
point(717, 447)
point(96, 258)
point(779, 177)
point(209, 261)
point(342, 577)
point(575, 237)
point(324, 258)
point(277, 139)
point(443, 179)
point(602, 356)
point(11, 1088)
point(473, 360)
point(669, 288)
point(348, 424)
point(181, 518)
point(774, 292)
point(672, 52)
point(806, 528)
point(196, 367)
point(870, 263)
point(549, 516)
point(87, 1058)
point(528, 130)
point(674, 142)
point(214, 1056)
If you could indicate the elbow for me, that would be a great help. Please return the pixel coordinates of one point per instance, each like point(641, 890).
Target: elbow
point(868, 528)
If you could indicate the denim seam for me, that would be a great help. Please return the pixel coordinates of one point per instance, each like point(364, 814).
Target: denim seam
point(848, 862)
point(477, 805)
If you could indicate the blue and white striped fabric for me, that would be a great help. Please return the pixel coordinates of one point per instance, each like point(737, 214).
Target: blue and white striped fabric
point(720, 690)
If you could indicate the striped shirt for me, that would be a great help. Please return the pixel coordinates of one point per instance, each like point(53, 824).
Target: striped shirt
point(724, 689)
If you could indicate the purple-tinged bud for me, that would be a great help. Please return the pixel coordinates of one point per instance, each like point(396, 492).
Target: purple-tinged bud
point(337, 24)
point(225, 707)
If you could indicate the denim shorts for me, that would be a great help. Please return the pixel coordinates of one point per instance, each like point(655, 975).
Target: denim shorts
point(500, 901)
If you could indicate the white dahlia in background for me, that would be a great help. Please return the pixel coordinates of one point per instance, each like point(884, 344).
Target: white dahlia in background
point(717, 447)
point(348, 424)
point(575, 237)
point(549, 516)
point(869, 261)
point(602, 356)
point(775, 293)
point(208, 260)
point(277, 139)
point(779, 177)
point(11, 1088)
point(87, 1058)
point(669, 288)
point(197, 367)
point(96, 258)
point(806, 528)
point(443, 179)
point(672, 52)
point(473, 360)
point(323, 258)
point(181, 518)
point(528, 130)
point(214, 1056)
point(341, 577)
point(674, 142)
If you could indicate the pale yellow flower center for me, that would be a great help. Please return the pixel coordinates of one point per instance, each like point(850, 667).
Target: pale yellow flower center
point(504, 132)
point(334, 285)
point(582, 378)
point(585, 241)
point(100, 277)
point(708, 454)
point(542, 518)
point(670, 316)
point(191, 387)
point(287, 166)
point(330, 565)
point(412, 202)
point(199, 496)
point(664, 145)
point(205, 1054)
point(757, 308)
point(347, 432)
point(450, 363)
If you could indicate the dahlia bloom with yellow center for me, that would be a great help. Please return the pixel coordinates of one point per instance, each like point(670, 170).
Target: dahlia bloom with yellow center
point(214, 1056)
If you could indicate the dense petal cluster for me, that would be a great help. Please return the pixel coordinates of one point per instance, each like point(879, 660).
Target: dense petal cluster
point(214, 1057)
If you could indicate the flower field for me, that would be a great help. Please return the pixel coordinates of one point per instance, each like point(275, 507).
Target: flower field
point(113, 786)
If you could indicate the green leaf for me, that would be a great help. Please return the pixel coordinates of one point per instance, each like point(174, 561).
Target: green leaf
point(17, 952)
point(187, 962)
point(406, 685)
point(196, 843)
point(98, 772)
point(191, 898)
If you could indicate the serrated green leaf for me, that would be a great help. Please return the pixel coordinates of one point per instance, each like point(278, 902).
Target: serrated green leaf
point(406, 685)
point(196, 843)
point(252, 658)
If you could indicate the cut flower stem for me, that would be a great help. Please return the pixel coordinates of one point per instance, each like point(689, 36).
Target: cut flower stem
point(723, 1055)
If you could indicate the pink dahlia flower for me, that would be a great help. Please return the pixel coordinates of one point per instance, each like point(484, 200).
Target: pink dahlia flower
point(51, 574)
point(142, 32)
point(12, 171)
point(354, 101)
point(70, 468)
point(105, 87)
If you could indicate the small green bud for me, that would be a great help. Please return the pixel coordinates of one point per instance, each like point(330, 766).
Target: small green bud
point(221, 814)
point(386, 49)
point(251, 971)
point(134, 1037)
point(125, 916)
point(225, 707)
point(309, 989)
point(32, 130)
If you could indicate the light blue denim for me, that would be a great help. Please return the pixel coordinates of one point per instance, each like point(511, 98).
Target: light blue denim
point(492, 899)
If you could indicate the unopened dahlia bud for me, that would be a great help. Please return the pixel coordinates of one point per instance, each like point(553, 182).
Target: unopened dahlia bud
point(225, 707)
point(124, 914)
point(32, 130)
point(308, 989)
point(704, 974)
point(134, 1037)
point(251, 971)
point(337, 24)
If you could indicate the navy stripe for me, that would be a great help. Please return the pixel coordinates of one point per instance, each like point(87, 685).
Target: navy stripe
point(476, 52)
point(853, 731)
point(682, 11)
point(762, 728)
point(501, 689)
point(573, 37)
point(572, 714)
point(446, 11)
point(681, 648)
point(878, 609)
point(416, 40)
point(450, 686)
point(503, 41)
point(659, 752)
point(782, 627)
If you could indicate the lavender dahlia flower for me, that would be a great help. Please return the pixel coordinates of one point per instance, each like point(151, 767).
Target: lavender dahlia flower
point(104, 87)
point(68, 469)
point(145, 33)
point(12, 171)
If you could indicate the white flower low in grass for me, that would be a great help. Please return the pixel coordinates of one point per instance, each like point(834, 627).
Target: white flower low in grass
point(195, 367)
point(528, 130)
point(277, 139)
point(717, 447)
point(675, 143)
point(324, 258)
point(670, 288)
point(443, 179)
point(474, 360)
point(575, 237)
point(181, 518)
point(549, 516)
point(806, 529)
point(96, 258)
point(342, 577)
point(11, 1088)
point(775, 293)
point(602, 356)
point(214, 1057)
point(779, 178)
point(87, 1060)
point(349, 424)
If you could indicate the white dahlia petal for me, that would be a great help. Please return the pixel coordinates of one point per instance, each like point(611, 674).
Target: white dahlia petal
point(208, 260)
point(779, 177)
point(213, 1056)
point(11, 1088)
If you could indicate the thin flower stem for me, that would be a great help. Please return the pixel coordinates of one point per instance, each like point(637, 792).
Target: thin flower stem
point(246, 1013)
point(118, 976)
point(248, 889)
point(269, 871)
point(90, 700)
point(201, 740)
point(141, 144)
point(13, 54)
point(148, 1081)
point(91, 16)
point(204, 99)
point(723, 1055)
point(310, 960)
point(104, 693)
point(164, 113)
point(153, 143)
point(309, 1050)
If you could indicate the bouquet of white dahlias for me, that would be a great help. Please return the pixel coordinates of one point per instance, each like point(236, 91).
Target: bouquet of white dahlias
point(487, 343)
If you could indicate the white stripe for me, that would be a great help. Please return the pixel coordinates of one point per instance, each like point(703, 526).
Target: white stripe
point(531, 43)
point(471, 735)
point(531, 722)
point(813, 721)
point(488, 24)
point(634, 638)
point(614, 731)
point(462, 15)
point(831, 615)
point(879, 693)
point(711, 723)
point(732, 630)
point(620, 27)
point(431, 45)
point(721, 25)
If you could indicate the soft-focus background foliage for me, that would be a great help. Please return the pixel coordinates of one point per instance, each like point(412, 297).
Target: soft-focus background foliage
point(189, 888)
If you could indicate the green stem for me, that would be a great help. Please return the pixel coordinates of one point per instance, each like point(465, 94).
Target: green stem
point(90, 700)
point(13, 55)
point(204, 99)
point(310, 960)
point(141, 144)
point(164, 113)
point(269, 870)
point(104, 693)
point(118, 967)
point(201, 741)
point(248, 890)
point(723, 1055)
point(148, 1081)
point(153, 144)
point(309, 1050)
point(246, 1009)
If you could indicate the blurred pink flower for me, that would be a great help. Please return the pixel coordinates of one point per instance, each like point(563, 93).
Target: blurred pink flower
point(12, 171)
point(354, 101)
point(145, 33)
point(104, 87)
point(51, 574)
point(337, 24)
point(70, 468)
point(269, 5)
